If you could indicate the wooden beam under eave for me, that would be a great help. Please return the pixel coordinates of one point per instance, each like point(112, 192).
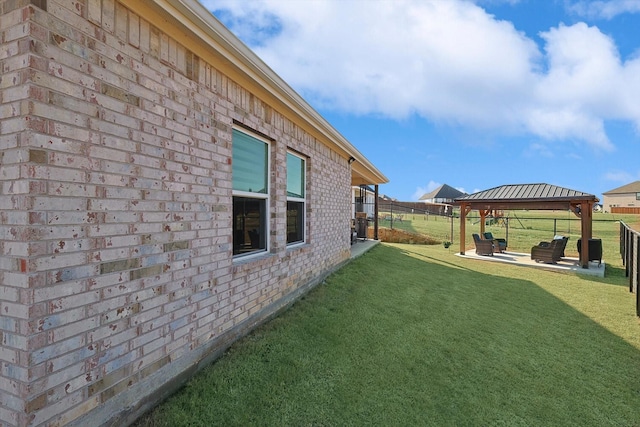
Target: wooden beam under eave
point(483, 220)
point(521, 205)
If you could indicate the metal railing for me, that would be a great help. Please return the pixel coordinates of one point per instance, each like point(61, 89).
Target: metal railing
point(630, 252)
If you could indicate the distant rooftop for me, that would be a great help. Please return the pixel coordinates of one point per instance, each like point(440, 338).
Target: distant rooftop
point(443, 192)
point(634, 187)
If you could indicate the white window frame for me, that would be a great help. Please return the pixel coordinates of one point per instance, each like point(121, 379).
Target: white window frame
point(259, 196)
point(302, 200)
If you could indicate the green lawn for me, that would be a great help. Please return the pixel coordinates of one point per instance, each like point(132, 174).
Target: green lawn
point(414, 335)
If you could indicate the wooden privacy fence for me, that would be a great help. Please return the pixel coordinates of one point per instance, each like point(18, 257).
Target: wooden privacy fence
point(630, 251)
point(625, 210)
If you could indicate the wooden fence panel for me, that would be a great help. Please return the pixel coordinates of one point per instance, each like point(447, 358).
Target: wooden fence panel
point(630, 252)
point(625, 210)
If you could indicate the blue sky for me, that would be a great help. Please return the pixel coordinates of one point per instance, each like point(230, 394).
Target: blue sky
point(473, 94)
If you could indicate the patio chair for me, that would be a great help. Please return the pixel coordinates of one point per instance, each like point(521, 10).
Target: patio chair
point(483, 247)
point(563, 242)
point(502, 243)
point(549, 252)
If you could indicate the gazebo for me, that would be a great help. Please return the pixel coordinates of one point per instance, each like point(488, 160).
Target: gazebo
point(534, 197)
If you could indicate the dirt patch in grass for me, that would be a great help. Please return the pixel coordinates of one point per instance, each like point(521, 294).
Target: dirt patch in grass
point(400, 236)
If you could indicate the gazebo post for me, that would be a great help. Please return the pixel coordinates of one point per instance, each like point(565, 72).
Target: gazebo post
point(463, 223)
point(506, 224)
point(483, 220)
point(586, 213)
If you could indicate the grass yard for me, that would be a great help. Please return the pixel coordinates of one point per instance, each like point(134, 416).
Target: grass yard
point(414, 335)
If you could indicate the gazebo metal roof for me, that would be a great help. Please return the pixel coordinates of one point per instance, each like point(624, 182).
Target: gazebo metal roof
point(526, 196)
point(530, 196)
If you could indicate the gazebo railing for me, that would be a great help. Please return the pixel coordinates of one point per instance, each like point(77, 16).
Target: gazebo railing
point(630, 252)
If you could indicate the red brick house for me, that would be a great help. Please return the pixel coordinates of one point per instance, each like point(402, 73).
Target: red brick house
point(162, 192)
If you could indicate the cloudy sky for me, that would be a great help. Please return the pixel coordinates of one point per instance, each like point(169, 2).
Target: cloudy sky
point(473, 94)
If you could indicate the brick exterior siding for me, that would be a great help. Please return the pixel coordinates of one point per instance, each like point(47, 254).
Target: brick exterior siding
point(116, 270)
point(621, 203)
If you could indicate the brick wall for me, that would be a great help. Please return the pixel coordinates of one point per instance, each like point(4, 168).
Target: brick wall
point(621, 203)
point(116, 274)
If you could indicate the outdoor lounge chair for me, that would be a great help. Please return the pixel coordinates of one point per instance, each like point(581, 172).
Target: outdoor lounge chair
point(483, 247)
point(549, 252)
point(502, 243)
point(565, 243)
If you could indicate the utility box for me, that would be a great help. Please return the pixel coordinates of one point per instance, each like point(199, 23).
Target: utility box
point(595, 249)
point(362, 224)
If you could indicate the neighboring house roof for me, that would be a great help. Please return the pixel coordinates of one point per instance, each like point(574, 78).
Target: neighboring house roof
point(234, 58)
point(634, 187)
point(443, 192)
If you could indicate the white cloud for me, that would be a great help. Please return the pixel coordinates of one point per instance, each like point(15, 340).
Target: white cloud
point(621, 176)
point(605, 9)
point(538, 150)
point(421, 191)
point(446, 61)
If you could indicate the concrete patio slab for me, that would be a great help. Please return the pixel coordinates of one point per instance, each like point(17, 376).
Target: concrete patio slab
point(565, 265)
point(362, 246)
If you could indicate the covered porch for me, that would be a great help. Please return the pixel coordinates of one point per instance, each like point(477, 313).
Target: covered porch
point(364, 207)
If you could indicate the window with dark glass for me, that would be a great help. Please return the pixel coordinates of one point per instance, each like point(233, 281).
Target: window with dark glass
point(250, 193)
point(296, 215)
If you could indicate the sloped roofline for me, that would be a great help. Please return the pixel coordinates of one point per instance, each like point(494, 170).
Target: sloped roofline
point(234, 55)
point(444, 191)
point(633, 187)
point(539, 192)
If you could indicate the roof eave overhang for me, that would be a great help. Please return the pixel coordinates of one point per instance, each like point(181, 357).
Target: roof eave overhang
point(235, 58)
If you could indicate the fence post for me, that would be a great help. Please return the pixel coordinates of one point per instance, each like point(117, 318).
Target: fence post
point(630, 252)
point(637, 278)
point(451, 219)
point(627, 253)
point(633, 260)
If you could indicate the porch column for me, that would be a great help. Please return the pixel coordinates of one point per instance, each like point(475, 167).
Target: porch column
point(483, 220)
point(375, 212)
